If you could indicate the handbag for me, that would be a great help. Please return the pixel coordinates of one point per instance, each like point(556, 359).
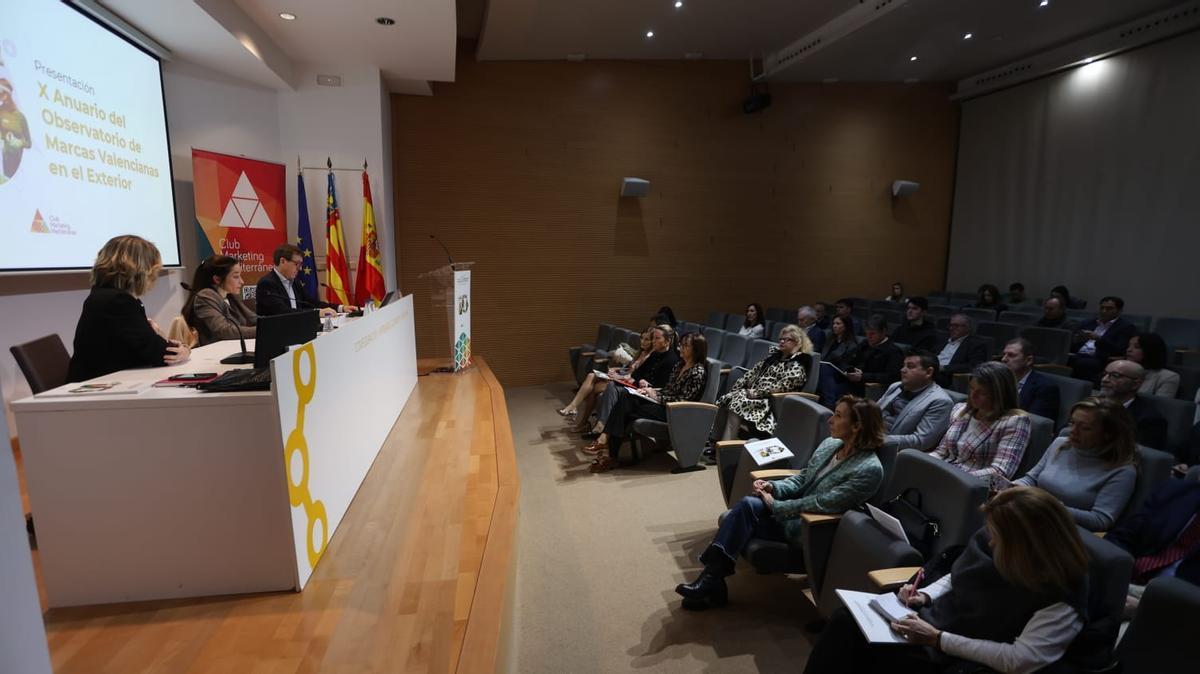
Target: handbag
point(921, 529)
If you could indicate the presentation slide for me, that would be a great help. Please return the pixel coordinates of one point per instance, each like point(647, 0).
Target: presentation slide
point(84, 138)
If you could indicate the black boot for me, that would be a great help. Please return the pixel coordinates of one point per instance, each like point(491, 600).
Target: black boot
point(708, 590)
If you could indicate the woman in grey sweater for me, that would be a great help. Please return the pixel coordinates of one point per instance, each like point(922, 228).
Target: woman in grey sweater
point(1094, 469)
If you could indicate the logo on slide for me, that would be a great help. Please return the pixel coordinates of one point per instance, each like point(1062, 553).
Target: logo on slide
point(244, 210)
point(39, 224)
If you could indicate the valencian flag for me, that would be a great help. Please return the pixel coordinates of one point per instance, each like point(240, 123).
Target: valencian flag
point(368, 285)
point(337, 269)
point(308, 268)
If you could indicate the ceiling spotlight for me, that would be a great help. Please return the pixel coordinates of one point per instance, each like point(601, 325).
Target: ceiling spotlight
point(912, 58)
point(385, 21)
point(678, 4)
point(287, 16)
point(1043, 3)
point(649, 33)
point(968, 36)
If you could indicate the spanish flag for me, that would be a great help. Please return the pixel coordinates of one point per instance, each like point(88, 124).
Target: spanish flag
point(337, 269)
point(368, 285)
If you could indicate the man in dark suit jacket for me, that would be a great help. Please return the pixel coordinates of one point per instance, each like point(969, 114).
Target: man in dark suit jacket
point(1101, 338)
point(1038, 395)
point(280, 292)
point(960, 352)
point(879, 362)
point(916, 331)
point(806, 318)
point(1158, 524)
point(1121, 381)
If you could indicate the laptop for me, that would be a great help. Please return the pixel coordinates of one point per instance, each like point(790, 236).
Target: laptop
point(272, 339)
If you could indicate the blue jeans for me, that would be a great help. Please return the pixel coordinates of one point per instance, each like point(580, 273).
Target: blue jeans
point(750, 518)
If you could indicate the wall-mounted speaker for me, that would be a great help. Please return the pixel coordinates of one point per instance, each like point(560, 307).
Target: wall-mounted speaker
point(903, 188)
point(634, 187)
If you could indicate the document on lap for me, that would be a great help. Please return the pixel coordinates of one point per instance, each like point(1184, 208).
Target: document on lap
point(874, 626)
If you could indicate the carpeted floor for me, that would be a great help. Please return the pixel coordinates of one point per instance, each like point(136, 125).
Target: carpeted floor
point(600, 555)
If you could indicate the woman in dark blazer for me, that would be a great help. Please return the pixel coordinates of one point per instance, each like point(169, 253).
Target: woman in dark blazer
point(113, 332)
point(214, 308)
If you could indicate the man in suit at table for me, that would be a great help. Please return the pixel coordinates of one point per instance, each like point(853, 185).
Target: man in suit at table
point(806, 319)
point(1101, 338)
point(916, 411)
point(1037, 394)
point(960, 352)
point(280, 292)
point(1121, 381)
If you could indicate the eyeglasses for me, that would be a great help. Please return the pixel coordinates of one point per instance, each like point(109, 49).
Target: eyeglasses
point(1116, 375)
point(295, 261)
point(787, 339)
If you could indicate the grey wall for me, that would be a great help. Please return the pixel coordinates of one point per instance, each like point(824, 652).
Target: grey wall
point(1090, 178)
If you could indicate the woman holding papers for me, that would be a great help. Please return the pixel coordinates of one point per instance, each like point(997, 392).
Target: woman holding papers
point(686, 384)
point(593, 386)
point(844, 471)
point(1092, 470)
point(214, 308)
point(114, 332)
point(1013, 601)
point(784, 369)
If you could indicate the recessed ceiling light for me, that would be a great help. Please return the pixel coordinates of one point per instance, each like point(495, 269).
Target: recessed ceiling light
point(287, 16)
point(1043, 3)
point(912, 58)
point(678, 4)
point(968, 36)
point(649, 33)
point(385, 21)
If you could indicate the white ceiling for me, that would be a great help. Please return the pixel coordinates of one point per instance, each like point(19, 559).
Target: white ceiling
point(248, 40)
point(1004, 30)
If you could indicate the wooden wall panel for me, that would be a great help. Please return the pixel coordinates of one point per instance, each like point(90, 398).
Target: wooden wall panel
point(517, 166)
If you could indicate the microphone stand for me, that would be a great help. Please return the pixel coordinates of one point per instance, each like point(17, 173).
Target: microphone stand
point(243, 358)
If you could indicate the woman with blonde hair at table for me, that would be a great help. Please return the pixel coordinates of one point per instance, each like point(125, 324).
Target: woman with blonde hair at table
point(113, 332)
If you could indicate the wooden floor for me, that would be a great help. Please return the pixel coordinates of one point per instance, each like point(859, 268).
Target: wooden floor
point(418, 577)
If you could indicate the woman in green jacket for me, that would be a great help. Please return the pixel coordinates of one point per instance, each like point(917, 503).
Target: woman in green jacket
point(844, 472)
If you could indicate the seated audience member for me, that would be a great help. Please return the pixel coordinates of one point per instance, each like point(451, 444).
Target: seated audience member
point(806, 320)
point(897, 296)
point(843, 307)
point(1069, 302)
point(1162, 536)
point(1014, 600)
point(665, 316)
point(989, 298)
point(879, 362)
point(755, 322)
point(823, 317)
point(844, 471)
point(1037, 394)
point(685, 385)
point(1100, 339)
point(917, 331)
point(113, 332)
point(214, 308)
point(1121, 381)
point(842, 347)
point(280, 292)
point(916, 411)
point(654, 372)
point(784, 369)
point(1150, 351)
point(959, 352)
point(988, 433)
point(1016, 293)
point(1093, 470)
point(1054, 315)
point(593, 386)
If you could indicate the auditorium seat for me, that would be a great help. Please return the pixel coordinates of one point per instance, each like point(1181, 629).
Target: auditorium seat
point(716, 319)
point(715, 337)
point(1158, 640)
point(687, 426)
point(1070, 391)
point(858, 546)
point(574, 353)
point(1179, 333)
point(687, 326)
point(1041, 437)
point(1016, 317)
point(801, 424)
point(1189, 381)
point(734, 322)
point(942, 310)
point(1109, 570)
point(757, 351)
point(733, 349)
point(775, 330)
point(44, 362)
point(1050, 345)
point(1180, 415)
point(1142, 321)
point(980, 314)
point(779, 315)
point(1000, 333)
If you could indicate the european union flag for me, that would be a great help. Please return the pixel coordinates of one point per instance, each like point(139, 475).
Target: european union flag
point(308, 270)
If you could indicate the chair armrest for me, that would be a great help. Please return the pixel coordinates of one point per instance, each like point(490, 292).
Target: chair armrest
point(891, 579)
point(818, 518)
point(588, 353)
point(784, 394)
point(1100, 534)
point(772, 473)
point(724, 444)
point(726, 370)
point(685, 405)
point(811, 396)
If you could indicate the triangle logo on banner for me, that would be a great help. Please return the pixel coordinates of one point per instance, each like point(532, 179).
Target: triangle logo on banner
point(244, 210)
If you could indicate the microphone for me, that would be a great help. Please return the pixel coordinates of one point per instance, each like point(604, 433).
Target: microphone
point(243, 358)
point(447, 250)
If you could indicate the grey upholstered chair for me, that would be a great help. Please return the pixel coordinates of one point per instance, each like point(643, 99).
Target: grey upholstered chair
point(1154, 468)
point(716, 319)
point(1180, 415)
point(801, 424)
point(733, 349)
point(44, 362)
point(1000, 333)
point(1158, 640)
point(687, 426)
point(1070, 391)
point(1050, 345)
point(734, 322)
point(1041, 436)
